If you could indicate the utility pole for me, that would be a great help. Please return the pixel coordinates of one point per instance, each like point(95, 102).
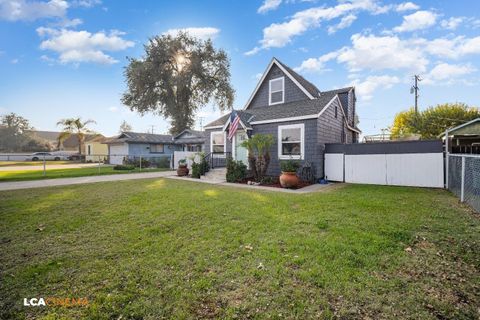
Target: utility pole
point(152, 126)
point(414, 89)
point(201, 123)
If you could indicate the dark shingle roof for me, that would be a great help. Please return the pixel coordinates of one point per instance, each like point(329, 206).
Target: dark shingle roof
point(310, 87)
point(286, 110)
point(137, 137)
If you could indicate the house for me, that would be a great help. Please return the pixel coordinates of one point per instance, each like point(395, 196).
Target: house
point(190, 140)
point(131, 144)
point(301, 118)
point(464, 138)
point(95, 149)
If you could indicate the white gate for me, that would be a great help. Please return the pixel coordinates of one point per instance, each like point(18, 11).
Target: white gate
point(413, 163)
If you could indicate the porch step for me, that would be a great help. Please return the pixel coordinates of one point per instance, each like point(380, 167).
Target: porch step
point(215, 175)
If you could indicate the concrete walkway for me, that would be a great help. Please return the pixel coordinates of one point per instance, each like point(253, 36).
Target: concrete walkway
point(15, 185)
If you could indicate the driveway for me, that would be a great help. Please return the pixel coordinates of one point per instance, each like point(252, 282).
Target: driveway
point(49, 167)
point(81, 180)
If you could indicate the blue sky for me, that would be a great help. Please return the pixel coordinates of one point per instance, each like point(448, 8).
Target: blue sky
point(62, 59)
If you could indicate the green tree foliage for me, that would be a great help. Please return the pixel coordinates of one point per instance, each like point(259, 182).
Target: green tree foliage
point(15, 135)
point(259, 154)
point(432, 121)
point(178, 75)
point(74, 126)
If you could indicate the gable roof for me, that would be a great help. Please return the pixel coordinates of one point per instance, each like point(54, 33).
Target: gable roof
point(195, 137)
point(307, 87)
point(310, 87)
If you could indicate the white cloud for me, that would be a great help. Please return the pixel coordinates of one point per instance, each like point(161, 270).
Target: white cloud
point(452, 23)
point(201, 33)
point(406, 6)
point(113, 109)
point(86, 3)
point(278, 35)
point(83, 46)
point(269, 5)
point(15, 10)
point(365, 89)
point(444, 73)
point(345, 22)
point(452, 48)
point(316, 64)
point(417, 21)
point(14, 61)
point(378, 53)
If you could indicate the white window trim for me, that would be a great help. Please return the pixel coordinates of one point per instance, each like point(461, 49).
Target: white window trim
point(270, 91)
point(234, 147)
point(300, 126)
point(224, 140)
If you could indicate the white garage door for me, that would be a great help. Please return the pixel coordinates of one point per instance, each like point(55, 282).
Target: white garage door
point(118, 152)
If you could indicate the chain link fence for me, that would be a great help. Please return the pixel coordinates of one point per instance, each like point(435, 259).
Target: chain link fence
point(464, 178)
point(48, 165)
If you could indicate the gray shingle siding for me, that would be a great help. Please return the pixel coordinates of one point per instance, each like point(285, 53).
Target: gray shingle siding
point(292, 91)
point(311, 150)
point(330, 130)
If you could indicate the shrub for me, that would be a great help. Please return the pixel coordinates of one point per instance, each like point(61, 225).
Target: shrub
point(182, 162)
point(124, 167)
point(196, 170)
point(163, 162)
point(204, 167)
point(289, 166)
point(236, 170)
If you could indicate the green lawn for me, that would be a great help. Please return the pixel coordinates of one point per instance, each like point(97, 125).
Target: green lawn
point(22, 175)
point(33, 163)
point(158, 248)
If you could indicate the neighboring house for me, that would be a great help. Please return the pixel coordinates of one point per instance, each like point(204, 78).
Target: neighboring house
point(464, 138)
point(95, 149)
point(140, 144)
point(299, 116)
point(190, 140)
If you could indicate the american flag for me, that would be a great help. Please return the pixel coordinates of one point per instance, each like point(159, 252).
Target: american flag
point(234, 121)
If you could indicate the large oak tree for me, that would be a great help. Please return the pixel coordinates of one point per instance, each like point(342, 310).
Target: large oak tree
point(177, 76)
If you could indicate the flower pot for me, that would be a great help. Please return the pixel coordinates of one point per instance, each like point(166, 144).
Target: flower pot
point(289, 180)
point(182, 170)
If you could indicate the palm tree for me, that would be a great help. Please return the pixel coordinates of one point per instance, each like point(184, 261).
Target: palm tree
point(259, 154)
point(74, 126)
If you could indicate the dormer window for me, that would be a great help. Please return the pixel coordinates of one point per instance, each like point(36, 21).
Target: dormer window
point(277, 91)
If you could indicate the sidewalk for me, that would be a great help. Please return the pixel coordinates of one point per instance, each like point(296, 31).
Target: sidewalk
point(15, 185)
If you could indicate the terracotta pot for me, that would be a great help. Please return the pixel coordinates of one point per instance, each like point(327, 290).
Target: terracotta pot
point(182, 170)
point(289, 180)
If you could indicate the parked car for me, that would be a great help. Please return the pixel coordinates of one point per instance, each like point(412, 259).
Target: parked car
point(45, 155)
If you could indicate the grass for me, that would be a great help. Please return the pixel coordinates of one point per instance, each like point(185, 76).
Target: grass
point(33, 163)
point(157, 248)
point(22, 175)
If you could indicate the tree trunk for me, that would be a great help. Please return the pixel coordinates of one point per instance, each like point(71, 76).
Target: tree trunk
point(253, 166)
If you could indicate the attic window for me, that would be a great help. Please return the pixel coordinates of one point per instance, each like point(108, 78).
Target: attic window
point(277, 91)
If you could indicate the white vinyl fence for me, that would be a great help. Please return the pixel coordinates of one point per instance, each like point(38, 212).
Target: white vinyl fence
point(412, 163)
point(179, 155)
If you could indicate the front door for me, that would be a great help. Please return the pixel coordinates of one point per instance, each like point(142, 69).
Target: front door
point(241, 153)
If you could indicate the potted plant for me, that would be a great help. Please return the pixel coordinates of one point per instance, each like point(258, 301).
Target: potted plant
point(288, 178)
point(182, 169)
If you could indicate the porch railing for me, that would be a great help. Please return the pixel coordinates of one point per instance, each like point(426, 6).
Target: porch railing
point(217, 159)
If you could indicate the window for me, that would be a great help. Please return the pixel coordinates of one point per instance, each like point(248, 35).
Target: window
point(89, 148)
point(291, 141)
point(217, 142)
point(336, 112)
point(194, 147)
point(156, 148)
point(277, 92)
